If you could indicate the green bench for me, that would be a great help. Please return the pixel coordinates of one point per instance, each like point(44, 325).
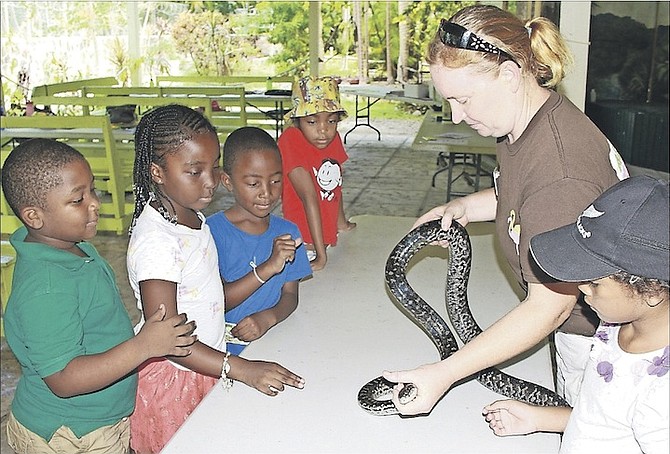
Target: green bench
point(71, 87)
point(109, 151)
point(231, 102)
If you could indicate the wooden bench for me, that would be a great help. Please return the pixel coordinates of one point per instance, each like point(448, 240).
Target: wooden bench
point(71, 87)
point(268, 97)
point(260, 109)
point(249, 82)
point(109, 152)
point(230, 100)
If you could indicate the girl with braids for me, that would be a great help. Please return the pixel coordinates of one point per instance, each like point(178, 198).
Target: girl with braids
point(172, 260)
point(499, 76)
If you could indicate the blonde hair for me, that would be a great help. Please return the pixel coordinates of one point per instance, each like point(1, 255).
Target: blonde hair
point(536, 46)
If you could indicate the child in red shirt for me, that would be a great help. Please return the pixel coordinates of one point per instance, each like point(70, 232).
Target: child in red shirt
point(312, 155)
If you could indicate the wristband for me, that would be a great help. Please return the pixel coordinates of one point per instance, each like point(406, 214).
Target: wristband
point(226, 382)
point(253, 266)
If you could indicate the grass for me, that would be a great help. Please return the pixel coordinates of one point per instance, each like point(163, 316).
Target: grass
point(388, 110)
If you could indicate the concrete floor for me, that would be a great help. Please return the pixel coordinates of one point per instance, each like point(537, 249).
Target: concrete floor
point(381, 178)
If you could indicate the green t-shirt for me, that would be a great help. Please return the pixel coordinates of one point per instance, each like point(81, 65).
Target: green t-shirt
point(63, 306)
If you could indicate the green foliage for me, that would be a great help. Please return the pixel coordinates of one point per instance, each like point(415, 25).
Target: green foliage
point(287, 24)
point(207, 38)
point(423, 20)
point(119, 58)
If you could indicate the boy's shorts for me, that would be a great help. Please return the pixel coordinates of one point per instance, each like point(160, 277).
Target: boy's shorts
point(114, 439)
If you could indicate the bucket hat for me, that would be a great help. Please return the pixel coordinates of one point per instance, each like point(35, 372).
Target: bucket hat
point(624, 229)
point(312, 95)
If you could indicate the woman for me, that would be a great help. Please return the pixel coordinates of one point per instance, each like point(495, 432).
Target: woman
point(498, 76)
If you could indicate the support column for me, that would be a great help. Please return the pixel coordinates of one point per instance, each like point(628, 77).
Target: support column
point(134, 44)
point(575, 25)
point(315, 44)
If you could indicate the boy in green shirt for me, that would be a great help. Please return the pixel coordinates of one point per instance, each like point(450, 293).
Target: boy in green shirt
point(65, 321)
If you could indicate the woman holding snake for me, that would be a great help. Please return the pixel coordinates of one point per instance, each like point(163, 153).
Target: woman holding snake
point(499, 76)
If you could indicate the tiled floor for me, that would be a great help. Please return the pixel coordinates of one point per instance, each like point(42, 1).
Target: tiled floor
point(381, 178)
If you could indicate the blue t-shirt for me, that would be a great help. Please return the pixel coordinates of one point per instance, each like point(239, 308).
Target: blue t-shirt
point(237, 249)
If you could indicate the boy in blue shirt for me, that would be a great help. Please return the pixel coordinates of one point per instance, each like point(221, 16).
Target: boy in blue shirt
point(261, 256)
point(65, 321)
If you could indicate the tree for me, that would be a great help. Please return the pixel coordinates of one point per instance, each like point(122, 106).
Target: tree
point(423, 20)
point(390, 78)
point(206, 37)
point(362, 38)
point(403, 42)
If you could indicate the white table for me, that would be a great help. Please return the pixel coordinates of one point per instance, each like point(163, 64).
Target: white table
point(345, 331)
point(377, 92)
point(456, 144)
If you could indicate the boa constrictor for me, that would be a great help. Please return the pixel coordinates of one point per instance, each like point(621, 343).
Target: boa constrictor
point(374, 397)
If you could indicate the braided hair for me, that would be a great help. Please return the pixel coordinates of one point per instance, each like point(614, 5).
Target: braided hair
point(159, 133)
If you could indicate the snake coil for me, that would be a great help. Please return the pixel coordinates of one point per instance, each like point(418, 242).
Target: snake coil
point(374, 396)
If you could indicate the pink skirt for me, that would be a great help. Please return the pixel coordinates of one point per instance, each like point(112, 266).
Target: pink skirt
point(166, 396)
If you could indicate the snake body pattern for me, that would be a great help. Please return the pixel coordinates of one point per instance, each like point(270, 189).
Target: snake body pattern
point(374, 396)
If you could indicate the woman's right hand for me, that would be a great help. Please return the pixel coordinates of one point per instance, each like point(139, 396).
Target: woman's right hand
point(268, 378)
point(162, 337)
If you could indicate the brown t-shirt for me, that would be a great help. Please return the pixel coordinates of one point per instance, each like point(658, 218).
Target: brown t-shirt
point(544, 180)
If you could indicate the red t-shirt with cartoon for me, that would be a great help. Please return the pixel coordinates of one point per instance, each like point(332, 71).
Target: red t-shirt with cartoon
point(325, 167)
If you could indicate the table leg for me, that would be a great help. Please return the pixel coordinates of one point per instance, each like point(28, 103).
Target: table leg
point(478, 170)
point(452, 158)
point(442, 163)
point(363, 113)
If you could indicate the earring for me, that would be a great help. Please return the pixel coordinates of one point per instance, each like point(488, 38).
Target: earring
point(656, 304)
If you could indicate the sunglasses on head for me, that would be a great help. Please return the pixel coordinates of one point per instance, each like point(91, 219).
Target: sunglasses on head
point(454, 35)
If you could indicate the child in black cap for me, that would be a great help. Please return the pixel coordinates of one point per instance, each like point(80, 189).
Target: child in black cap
point(618, 249)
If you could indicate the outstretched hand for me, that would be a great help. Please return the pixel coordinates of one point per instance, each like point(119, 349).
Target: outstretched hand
point(162, 337)
point(269, 378)
point(510, 417)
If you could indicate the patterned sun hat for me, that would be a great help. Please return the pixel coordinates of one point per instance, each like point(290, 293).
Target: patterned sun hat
point(312, 95)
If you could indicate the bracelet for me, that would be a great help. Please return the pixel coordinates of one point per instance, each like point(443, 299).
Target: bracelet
point(253, 266)
point(226, 382)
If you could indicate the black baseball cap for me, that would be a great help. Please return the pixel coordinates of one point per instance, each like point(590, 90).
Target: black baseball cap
point(625, 229)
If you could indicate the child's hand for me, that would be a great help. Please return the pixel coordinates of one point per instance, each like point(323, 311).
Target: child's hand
point(319, 262)
point(283, 251)
point(162, 337)
point(253, 327)
point(346, 226)
point(510, 417)
point(269, 378)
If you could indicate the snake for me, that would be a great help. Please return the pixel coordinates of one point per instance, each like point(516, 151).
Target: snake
point(375, 396)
